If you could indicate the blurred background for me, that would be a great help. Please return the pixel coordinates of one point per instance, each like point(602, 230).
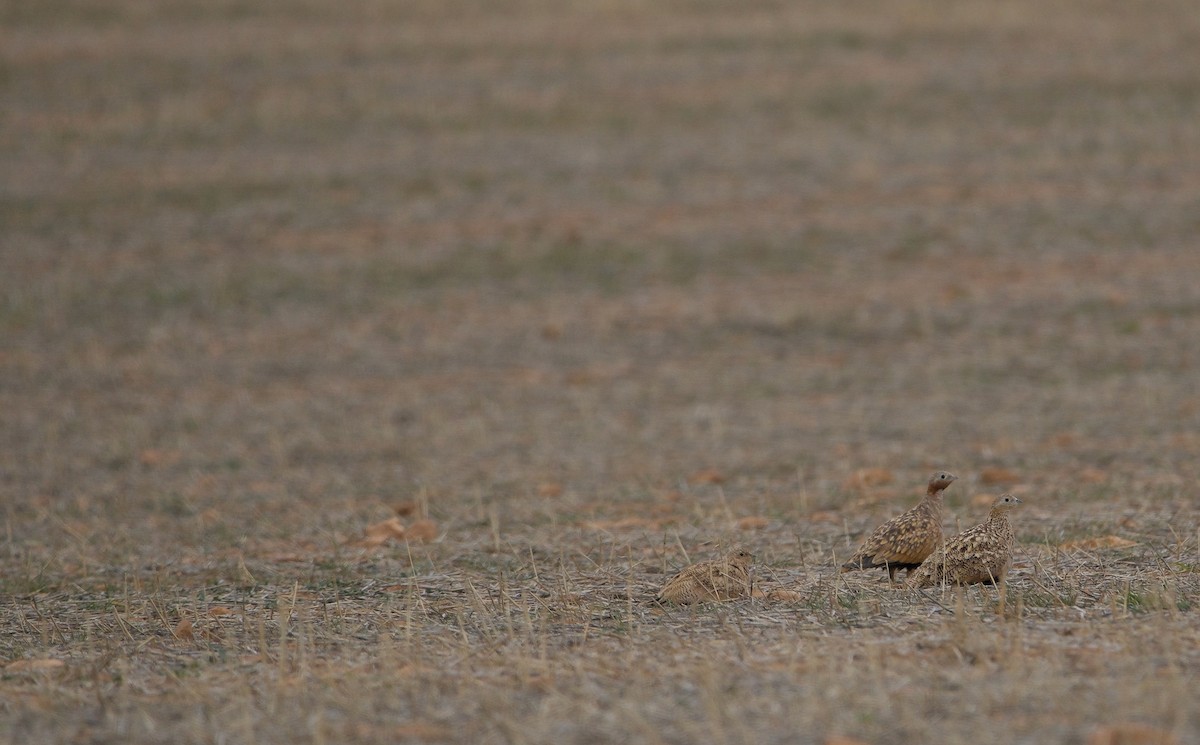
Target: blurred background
point(271, 268)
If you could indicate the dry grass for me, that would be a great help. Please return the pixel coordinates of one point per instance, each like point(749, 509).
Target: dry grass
point(590, 285)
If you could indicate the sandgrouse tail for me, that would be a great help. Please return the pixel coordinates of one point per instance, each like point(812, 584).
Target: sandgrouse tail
point(906, 540)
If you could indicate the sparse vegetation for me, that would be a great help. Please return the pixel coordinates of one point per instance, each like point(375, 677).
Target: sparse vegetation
point(366, 367)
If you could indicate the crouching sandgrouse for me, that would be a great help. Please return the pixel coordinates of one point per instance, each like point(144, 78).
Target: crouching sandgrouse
point(727, 578)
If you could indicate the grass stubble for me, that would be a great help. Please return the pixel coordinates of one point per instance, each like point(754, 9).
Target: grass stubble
point(601, 289)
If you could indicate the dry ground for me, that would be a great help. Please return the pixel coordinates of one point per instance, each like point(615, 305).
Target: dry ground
point(600, 288)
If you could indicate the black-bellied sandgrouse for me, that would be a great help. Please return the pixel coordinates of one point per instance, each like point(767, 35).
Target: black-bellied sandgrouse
point(906, 540)
point(980, 554)
point(727, 578)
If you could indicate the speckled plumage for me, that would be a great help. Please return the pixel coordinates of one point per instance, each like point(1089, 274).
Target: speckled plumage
point(908, 539)
point(980, 554)
point(727, 578)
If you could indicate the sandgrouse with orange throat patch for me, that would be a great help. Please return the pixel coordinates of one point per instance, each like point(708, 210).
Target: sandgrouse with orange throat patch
point(727, 578)
point(908, 539)
point(980, 554)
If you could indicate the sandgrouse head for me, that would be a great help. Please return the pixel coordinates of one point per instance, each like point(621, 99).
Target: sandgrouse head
point(740, 556)
point(1004, 503)
point(940, 480)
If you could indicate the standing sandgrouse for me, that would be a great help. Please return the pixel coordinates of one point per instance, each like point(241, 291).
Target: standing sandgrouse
point(906, 540)
point(727, 578)
point(981, 554)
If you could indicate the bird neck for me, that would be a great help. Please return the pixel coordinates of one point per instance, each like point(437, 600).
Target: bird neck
point(933, 502)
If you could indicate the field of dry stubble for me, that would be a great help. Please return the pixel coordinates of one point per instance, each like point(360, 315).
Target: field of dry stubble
point(366, 366)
